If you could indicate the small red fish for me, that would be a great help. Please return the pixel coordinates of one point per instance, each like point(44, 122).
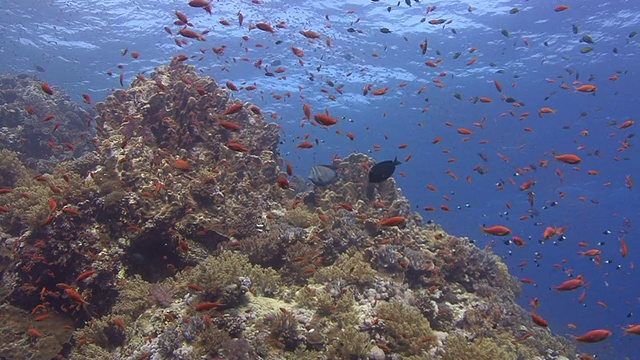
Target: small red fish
point(230, 126)
point(570, 285)
point(496, 230)
point(310, 34)
point(324, 119)
point(297, 52)
point(46, 88)
point(538, 320)
point(204, 306)
point(380, 91)
point(568, 159)
point(593, 336)
point(305, 145)
point(265, 27)
point(205, 5)
point(393, 221)
point(236, 146)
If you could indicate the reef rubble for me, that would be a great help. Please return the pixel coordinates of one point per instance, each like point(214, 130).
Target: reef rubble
point(173, 231)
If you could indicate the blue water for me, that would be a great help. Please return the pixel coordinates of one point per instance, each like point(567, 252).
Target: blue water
point(77, 42)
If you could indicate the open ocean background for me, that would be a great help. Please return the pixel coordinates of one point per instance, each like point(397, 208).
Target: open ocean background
point(73, 44)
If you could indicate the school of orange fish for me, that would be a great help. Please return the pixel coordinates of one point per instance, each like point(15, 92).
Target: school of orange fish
point(304, 54)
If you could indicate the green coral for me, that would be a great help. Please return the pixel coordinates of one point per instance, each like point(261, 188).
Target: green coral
point(226, 268)
point(300, 216)
point(133, 299)
point(352, 269)
point(457, 347)
point(348, 343)
point(405, 329)
point(89, 351)
point(106, 332)
point(12, 171)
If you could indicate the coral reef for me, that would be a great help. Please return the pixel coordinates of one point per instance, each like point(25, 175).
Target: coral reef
point(178, 238)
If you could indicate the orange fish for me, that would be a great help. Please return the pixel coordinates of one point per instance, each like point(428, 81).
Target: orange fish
point(496, 230)
point(310, 34)
point(297, 52)
point(626, 124)
point(464, 131)
point(631, 329)
point(230, 126)
point(592, 252)
point(498, 85)
point(570, 285)
point(265, 27)
point(527, 184)
point(380, 91)
point(236, 146)
point(623, 248)
point(306, 109)
point(593, 336)
point(324, 119)
point(538, 320)
point(46, 88)
point(305, 145)
point(560, 8)
point(392, 221)
point(568, 159)
point(586, 88)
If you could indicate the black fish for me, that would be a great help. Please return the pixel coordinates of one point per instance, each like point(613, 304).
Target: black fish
point(323, 175)
point(383, 170)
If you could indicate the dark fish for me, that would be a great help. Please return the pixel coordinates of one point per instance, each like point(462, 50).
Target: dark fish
point(587, 39)
point(383, 170)
point(575, 29)
point(39, 68)
point(323, 175)
point(385, 30)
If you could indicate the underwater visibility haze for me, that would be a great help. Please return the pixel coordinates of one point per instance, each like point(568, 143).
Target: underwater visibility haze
point(161, 195)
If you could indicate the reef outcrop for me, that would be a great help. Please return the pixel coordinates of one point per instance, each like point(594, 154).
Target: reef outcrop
point(182, 236)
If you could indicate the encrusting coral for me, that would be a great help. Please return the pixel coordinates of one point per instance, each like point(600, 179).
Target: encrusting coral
point(180, 238)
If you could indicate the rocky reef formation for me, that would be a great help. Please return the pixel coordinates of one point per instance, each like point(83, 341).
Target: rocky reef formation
point(182, 236)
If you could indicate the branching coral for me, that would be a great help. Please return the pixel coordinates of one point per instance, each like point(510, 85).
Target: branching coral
point(458, 347)
point(405, 329)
